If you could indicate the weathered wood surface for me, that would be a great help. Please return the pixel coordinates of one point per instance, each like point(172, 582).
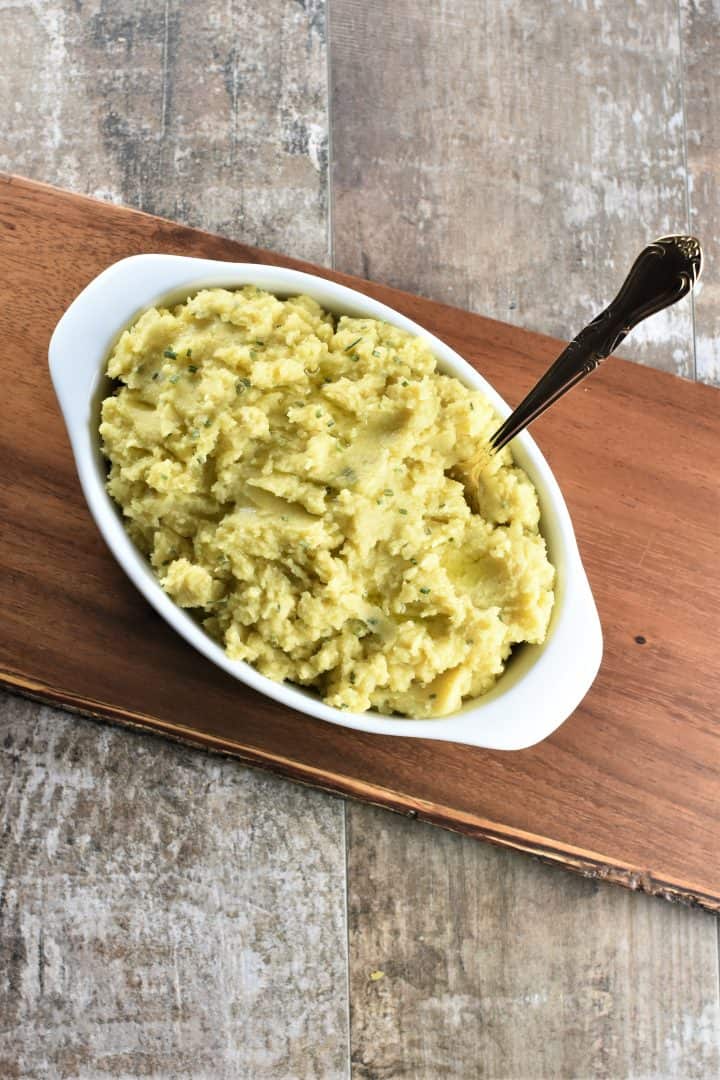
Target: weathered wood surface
point(510, 158)
point(528, 150)
point(496, 966)
point(700, 22)
point(83, 103)
point(164, 913)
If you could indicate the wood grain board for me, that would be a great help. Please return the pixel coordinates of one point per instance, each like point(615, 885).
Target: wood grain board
point(628, 789)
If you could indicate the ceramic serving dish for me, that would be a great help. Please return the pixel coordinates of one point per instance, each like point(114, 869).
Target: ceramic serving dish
point(542, 685)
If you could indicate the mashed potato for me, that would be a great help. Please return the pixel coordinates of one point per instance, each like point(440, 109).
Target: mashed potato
point(289, 476)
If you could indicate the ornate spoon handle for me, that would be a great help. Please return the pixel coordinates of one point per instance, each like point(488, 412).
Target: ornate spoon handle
point(663, 273)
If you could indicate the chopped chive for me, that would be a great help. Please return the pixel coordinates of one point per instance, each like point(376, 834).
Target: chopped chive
point(352, 677)
point(472, 407)
point(170, 353)
point(433, 696)
point(402, 511)
point(331, 423)
point(192, 368)
point(318, 412)
point(388, 491)
point(241, 385)
point(156, 375)
point(352, 344)
point(424, 590)
point(174, 378)
point(405, 383)
point(208, 422)
point(189, 353)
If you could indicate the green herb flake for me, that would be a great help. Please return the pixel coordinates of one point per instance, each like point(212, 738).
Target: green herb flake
point(194, 434)
point(352, 677)
point(405, 383)
point(318, 412)
point(189, 353)
point(433, 696)
point(192, 368)
point(331, 423)
point(156, 375)
point(242, 385)
point(352, 344)
point(170, 353)
point(208, 422)
point(401, 511)
point(472, 407)
point(174, 378)
point(424, 590)
point(388, 491)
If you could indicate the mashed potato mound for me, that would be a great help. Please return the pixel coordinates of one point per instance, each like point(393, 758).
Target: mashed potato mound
point(289, 476)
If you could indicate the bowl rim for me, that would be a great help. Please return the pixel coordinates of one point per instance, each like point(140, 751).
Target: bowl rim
point(548, 681)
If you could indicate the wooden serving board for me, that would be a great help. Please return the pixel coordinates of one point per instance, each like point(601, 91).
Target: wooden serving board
point(628, 789)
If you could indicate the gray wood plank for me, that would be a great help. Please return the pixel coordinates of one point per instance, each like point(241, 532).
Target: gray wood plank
point(468, 961)
point(700, 28)
point(511, 158)
point(485, 155)
point(164, 913)
point(213, 113)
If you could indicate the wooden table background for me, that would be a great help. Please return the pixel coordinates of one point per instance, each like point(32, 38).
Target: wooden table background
point(166, 913)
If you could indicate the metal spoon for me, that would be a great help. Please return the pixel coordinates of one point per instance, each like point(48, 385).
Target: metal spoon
point(663, 273)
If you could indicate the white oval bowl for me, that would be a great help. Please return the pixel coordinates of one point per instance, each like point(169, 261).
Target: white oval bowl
point(542, 684)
